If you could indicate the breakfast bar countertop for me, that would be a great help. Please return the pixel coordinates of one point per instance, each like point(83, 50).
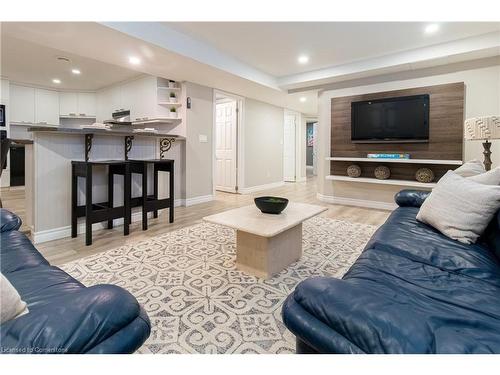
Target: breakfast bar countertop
point(121, 132)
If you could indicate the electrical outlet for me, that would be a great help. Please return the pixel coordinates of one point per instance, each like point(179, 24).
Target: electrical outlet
point(202, 138)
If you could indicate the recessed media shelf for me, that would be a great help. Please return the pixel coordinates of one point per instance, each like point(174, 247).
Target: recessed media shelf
point(408, 161)
point(389, 181)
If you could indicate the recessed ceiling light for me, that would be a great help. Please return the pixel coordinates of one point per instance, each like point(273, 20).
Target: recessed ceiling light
point(75, 71)
point(134, 60)
point(303, 99)
point(432, 28)
point(56, 81)
point(303, 59)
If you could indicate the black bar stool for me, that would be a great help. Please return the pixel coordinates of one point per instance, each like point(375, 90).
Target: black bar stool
point(151, 203)
point(133, 167)
point(104, 211)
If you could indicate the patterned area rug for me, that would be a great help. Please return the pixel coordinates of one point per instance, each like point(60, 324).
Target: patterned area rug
point(198, 302)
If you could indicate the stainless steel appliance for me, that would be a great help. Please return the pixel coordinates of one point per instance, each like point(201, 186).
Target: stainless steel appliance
point(121, 117)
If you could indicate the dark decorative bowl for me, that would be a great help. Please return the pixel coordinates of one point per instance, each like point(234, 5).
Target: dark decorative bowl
point(271, 205)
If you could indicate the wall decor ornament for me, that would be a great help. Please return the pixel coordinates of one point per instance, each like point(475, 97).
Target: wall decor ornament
point(424, 175)
point(354, 170)
point(382, 172)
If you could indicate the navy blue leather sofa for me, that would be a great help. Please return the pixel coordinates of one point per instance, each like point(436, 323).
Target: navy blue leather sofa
point(64, 315)
point(412, 290)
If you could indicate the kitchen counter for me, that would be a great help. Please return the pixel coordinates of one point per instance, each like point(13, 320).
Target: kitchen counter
point(48, 171)
point(16, 142)
point(112, 132)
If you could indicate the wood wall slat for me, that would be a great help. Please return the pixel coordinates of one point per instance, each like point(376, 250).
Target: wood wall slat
point(446, 118)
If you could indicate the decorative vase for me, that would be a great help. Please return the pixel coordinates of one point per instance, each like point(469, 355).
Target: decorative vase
point(382, 172)
point(173, 99)
point(171, 85)
point(424, 175)
point(354, 170)
point(173, 114)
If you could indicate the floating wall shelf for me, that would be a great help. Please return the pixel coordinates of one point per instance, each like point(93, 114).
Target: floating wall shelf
point(408, 161)
point(367, 180)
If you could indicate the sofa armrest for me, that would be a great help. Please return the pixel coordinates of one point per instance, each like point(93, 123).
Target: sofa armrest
point(9, 221)
point(77, 323)
point(411, 198)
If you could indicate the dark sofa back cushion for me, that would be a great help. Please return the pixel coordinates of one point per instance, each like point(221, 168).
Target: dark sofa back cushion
point(491, 236)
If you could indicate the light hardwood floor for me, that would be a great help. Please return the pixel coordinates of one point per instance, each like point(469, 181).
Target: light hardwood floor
point(69, 249)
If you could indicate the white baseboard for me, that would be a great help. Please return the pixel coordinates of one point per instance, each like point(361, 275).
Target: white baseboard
point(301, 179)
point(356, 202)
point(253, 189)
point(64, 232)
point(197, 200)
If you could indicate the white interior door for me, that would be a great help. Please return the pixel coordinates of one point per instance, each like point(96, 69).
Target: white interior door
point(225, 146)
point(315, 149)
point(289, 148)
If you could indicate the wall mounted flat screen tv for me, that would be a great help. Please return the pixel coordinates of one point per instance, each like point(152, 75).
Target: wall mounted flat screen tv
point(391, 120)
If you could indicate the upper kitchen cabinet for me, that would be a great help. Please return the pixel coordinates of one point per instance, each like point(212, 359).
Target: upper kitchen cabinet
point(22, 104)
point(148, 98)
point(87, 104)
point(68, 104)
point(79, 105)
point(46, 107)
point(108, 101)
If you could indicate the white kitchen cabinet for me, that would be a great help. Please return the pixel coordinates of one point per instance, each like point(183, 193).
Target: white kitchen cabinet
point(86, 104)
point(116, 101)
point(46, 107)
point(4, 91)
point(22, 104)
point(140, 96)
point(77, 104)
point(68, 104)
point(103, 105)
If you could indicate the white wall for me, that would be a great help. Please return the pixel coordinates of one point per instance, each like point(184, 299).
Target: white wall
point(482, 97)
point(199, 122)
point(263, 143)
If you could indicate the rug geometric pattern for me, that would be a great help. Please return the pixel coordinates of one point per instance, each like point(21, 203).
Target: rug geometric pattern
point(198, 302)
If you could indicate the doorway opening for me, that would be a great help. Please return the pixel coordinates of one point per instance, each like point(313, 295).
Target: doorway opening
point(291, 124)
point(311, 148)
point(227, 124)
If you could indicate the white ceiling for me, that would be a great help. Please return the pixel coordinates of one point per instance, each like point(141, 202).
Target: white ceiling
point(255, 60)
point(31, 63)
point(273, 47)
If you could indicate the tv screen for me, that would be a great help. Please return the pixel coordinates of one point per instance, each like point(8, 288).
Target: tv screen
point(402, 119)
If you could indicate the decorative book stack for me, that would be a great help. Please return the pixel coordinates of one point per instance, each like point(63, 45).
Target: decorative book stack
point(388, 156)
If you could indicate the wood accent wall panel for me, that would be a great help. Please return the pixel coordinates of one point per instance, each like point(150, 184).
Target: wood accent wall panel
point(446, 118)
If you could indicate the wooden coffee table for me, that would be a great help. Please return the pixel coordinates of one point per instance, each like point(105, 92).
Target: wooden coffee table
point(265, 243)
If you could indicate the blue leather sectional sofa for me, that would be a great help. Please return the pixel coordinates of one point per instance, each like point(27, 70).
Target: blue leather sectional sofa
point(64, 315)
point(412, 290)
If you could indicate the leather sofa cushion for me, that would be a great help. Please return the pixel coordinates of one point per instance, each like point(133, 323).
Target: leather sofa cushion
point(411, 198)
point(403, 235)
point(390, 304)
point(76, 322)
point(9, 221)
point(18, 253)
point(39, 286)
